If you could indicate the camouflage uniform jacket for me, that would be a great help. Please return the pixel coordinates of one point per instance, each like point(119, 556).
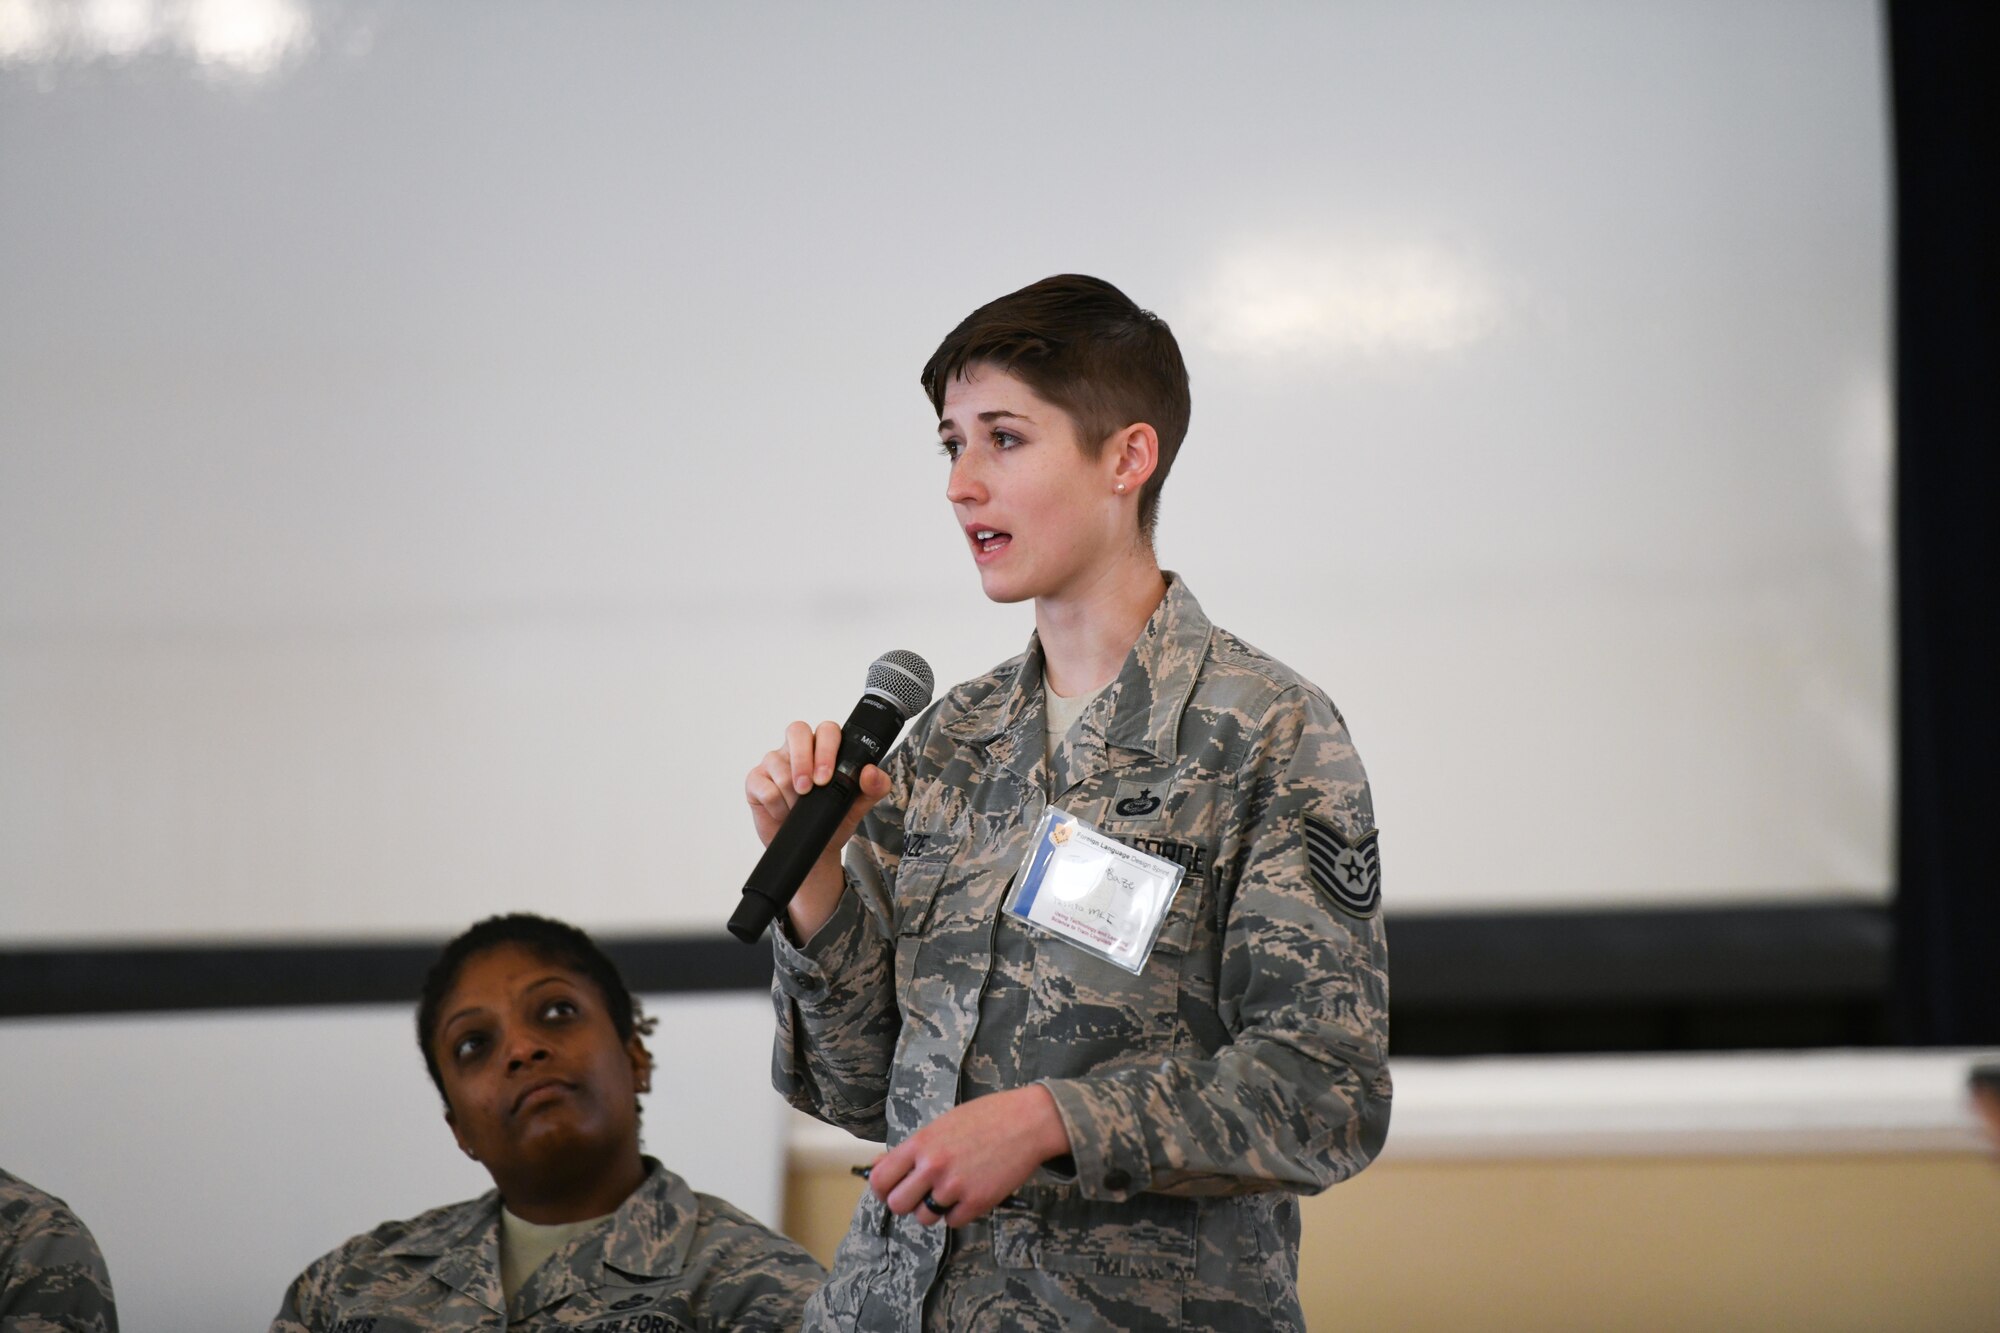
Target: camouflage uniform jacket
point(668, 1260)
point(52, 1278)
point(1246, 1065)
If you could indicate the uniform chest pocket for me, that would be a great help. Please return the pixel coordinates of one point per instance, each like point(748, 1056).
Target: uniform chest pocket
point(1098, 1014)
point(918, 883)
point(1177, 931)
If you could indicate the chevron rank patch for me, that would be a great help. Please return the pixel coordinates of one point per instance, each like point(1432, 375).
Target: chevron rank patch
point(1349, 872)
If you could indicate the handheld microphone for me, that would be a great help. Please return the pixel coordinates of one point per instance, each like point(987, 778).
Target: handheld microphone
point(899, 686)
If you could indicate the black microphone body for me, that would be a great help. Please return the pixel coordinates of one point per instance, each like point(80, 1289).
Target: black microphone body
point(871, 728)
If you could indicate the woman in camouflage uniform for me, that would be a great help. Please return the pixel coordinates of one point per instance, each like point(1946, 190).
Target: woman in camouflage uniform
point(538, 1050)
point(1072, 1146)
point(52, 1276)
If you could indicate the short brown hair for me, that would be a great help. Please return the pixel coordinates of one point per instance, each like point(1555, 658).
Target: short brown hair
point(1089, 349)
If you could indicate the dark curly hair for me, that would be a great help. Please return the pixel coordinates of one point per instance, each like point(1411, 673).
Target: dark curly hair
point(554, 942)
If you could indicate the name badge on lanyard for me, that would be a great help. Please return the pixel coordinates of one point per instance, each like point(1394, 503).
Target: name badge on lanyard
point(1093, 890)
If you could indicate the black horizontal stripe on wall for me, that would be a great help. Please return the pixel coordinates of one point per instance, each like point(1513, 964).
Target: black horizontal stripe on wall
point(1736, 953)
point(1563, 983)
point(1460, 984)
point(156, 979)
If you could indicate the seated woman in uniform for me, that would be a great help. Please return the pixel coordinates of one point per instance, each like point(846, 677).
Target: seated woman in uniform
point(539, 1052)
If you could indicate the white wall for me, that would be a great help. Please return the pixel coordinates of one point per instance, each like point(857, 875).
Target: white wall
point(441, 445)
point(215, 1155)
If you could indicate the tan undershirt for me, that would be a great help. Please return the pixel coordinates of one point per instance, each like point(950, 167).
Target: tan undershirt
point(1058, 712)
point(525, 1246)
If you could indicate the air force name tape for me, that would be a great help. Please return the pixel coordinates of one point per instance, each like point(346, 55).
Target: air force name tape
point(1349, 871)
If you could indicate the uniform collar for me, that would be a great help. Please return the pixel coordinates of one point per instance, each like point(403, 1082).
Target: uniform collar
point(1145, 701)
point(648, 1238)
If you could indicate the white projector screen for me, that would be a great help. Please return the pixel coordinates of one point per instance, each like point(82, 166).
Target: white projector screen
point(441, 445)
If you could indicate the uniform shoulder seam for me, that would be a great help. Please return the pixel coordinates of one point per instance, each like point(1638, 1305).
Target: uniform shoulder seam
point(385, 1235)
point(1232, 651)
point(967, 695)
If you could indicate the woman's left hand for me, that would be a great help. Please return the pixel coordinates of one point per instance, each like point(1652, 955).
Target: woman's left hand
point(971, 1157)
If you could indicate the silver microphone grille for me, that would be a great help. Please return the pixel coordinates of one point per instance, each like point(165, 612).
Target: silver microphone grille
point(904, 679)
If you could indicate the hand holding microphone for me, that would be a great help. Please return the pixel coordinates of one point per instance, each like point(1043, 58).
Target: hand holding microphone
point(808, 796)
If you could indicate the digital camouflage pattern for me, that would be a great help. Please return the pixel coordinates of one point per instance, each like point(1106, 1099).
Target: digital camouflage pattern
point(52, 1278)
point(1246, 1065)
point(668, 1260)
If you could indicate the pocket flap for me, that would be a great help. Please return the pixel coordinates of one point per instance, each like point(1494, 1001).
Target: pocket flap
point(917, 883)
point(1177, 931)
point(1146, 1236)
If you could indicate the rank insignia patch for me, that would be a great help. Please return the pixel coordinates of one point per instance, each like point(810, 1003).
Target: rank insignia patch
point(1349, 872)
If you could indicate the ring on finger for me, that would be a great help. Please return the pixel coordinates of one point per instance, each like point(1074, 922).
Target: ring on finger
point(940, 1209)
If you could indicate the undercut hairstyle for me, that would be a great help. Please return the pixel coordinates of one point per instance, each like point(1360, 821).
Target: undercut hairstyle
point(1088, 348)
point(554, 942)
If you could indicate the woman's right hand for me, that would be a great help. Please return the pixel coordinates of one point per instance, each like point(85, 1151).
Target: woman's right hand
point(774, 786)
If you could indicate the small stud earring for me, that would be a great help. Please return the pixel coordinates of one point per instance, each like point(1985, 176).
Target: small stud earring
point(1121, 488)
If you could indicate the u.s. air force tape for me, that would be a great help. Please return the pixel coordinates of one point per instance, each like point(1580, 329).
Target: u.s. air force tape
point(1347, 870)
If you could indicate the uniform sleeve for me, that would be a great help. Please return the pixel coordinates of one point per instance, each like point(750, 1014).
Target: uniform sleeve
point(53, 1279)
point(1298, 1098)
point(756, 1281)
point(835, 995)
point(303, 1309)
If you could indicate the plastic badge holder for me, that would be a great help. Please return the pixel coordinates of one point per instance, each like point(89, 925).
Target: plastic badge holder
point(1086, 887)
